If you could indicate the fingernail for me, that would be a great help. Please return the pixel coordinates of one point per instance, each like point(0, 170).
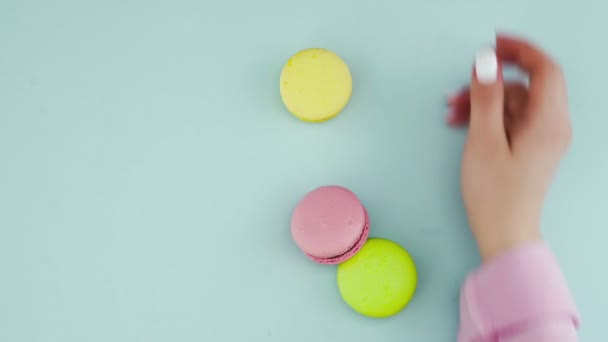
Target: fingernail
point(486, 65)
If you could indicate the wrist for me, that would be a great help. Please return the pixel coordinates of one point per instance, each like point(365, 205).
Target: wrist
point(493, 246)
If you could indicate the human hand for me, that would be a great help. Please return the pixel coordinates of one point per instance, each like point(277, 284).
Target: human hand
point(517, 137)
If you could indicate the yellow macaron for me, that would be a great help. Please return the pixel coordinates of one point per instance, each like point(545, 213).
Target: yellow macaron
point(315, 85)
point(380, 280)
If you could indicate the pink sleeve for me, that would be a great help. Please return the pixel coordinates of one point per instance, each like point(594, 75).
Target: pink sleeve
point(520, 296)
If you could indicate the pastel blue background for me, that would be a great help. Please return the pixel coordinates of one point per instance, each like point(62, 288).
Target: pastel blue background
point(148, 168)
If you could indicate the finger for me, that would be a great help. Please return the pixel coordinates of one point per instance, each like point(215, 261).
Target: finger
point(459, 114)
point(487, 97)
point(520, 52)
point(546, 79)
point(516, 95)
point(463, 95)
point(460, 106)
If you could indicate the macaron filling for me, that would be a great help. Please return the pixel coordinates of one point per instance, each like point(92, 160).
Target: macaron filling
point(351, 251)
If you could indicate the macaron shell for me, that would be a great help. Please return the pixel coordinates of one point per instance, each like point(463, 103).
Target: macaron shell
point(379, 281)
point(315, 85)
point(350, 252)
point(328, 222)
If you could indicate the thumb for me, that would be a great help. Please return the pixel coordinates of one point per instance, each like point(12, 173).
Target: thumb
point(487, 98)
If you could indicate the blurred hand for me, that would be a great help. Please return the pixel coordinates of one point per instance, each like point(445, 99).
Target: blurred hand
point(517, 137)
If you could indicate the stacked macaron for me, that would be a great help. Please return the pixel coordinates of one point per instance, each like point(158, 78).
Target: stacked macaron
point(330, 225)
point(376, 277)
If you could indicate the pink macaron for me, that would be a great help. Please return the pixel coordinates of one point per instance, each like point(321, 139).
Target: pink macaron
point(330, 225)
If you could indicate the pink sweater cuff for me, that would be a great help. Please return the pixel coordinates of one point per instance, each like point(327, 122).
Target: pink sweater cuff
point(519, 287)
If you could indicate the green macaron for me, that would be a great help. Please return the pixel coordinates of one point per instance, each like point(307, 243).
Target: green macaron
point(380, 280)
